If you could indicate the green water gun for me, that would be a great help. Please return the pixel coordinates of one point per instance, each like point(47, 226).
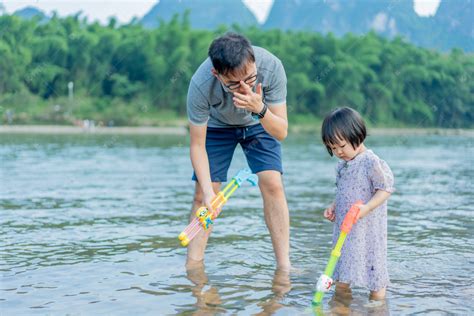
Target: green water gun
point(325, 281)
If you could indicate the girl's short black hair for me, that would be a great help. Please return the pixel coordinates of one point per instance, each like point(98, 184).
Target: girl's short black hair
point(230, 52)
point(343, 124)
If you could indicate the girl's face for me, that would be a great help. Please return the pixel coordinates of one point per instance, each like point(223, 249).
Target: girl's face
point(344, 150)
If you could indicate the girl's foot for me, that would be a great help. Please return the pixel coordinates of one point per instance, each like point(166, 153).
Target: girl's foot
point(377, 295)
point(341, 299)
point(343, 291)
point(343, 287)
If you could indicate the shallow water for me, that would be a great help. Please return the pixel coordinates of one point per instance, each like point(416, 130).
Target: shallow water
point(89, 226)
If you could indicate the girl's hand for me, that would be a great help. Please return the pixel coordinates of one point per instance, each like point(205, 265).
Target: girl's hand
point(364, 210)
point(379, 197)
point(330, 213)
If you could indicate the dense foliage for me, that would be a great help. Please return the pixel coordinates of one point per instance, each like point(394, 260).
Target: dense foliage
point(124, 72)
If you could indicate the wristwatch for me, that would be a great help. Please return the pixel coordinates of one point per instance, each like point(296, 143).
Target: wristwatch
point(261, 115)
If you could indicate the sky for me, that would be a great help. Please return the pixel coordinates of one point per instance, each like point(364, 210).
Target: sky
point(125, 10)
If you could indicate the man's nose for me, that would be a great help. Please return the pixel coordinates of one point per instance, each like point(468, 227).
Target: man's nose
point(241, 90)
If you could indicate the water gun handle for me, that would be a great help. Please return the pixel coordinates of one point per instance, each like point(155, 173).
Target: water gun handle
point(351, 217)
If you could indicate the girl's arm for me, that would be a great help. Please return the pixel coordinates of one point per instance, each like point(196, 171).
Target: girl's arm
point(379, 197)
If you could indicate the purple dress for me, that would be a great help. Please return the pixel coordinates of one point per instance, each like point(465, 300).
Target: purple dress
point(363, 260)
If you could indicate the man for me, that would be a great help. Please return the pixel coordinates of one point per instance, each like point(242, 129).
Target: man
point(238, 96)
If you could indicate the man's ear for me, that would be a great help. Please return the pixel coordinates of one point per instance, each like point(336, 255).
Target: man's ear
point(214, 72)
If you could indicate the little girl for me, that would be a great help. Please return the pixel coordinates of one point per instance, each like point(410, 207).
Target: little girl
point(361, 175)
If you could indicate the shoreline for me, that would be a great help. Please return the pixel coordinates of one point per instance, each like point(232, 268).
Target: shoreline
point(65, 130)
point(183, 131)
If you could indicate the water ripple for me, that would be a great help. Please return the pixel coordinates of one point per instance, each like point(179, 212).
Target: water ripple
point(89, 224)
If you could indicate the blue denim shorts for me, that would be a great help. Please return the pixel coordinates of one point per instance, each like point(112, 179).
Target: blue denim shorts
point(263, 151)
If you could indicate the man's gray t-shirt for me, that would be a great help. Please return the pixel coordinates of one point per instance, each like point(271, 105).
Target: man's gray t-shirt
point(209, 104)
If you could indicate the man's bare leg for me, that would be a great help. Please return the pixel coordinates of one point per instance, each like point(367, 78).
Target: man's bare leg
point(277, 215)
point(197, 246)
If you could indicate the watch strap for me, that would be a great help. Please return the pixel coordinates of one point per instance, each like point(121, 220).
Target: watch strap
point(262, 113)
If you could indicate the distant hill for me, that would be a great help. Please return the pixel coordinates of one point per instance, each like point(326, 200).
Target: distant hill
point(31, 12)
point(342, 16)
point(452, 25)
point(204, 14)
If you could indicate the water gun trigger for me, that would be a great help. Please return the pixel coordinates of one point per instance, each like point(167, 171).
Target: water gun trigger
point(253, 180)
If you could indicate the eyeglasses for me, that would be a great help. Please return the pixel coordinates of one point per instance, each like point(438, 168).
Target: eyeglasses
point(234, 86)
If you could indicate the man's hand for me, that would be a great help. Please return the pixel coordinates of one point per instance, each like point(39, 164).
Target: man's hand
point(275, 121)
point(250, 101)
point(207, 198)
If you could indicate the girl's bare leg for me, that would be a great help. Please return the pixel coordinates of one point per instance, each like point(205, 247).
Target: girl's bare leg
point(343, 288)
point(377, 295)
point(341, 299)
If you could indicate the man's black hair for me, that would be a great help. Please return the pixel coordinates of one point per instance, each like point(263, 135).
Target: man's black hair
point(230, 52)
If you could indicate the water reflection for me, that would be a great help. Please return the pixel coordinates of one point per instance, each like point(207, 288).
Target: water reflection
point(343, 302)
point(207, 296)
point(208, 300)
point(281, 284)
point(75, 214)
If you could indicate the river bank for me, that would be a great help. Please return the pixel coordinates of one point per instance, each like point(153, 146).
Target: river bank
point(183, 130)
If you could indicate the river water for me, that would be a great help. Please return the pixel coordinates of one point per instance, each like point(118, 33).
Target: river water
point(89, 226)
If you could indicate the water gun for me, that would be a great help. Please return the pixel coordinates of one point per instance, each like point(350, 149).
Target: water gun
point(204, 218)
point(325, 281)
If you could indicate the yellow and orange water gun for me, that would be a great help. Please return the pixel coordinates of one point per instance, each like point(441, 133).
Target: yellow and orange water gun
point(325, 280)
point(204, 218)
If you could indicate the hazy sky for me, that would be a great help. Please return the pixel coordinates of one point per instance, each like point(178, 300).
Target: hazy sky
point(125, 10)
